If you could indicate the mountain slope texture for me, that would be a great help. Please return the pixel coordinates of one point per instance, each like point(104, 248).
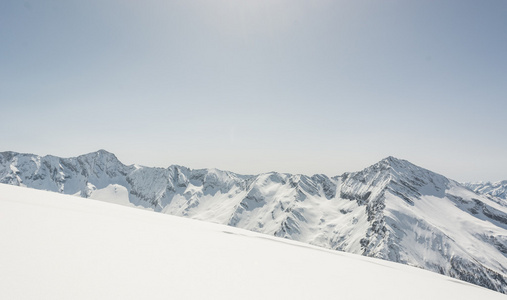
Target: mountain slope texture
point(495, 189)
point(392, 210)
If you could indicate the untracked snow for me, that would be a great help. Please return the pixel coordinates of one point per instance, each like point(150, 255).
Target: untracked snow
point(62, 247)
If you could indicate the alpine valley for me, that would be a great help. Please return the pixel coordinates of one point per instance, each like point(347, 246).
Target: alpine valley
point(392, 210)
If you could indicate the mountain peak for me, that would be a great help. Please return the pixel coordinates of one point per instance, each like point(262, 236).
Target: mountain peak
point(391, 158)
point(399, 177)
point(400, 167)
point(396, 162)
point(100, 154)
point(103, 152)
point(389, 167)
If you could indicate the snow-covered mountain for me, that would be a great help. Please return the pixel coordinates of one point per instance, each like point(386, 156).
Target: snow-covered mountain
point(494, 189)
point(392, 210)
point(57, 246)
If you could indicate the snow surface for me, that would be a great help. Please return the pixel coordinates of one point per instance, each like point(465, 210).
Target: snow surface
point(57, 246)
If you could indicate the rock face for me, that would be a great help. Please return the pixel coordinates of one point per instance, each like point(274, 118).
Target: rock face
point(392, 210)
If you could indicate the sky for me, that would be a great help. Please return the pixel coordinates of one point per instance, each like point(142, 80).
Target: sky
point(257, 86)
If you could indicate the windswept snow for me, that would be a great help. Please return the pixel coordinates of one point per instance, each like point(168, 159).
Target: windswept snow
point(62, 247)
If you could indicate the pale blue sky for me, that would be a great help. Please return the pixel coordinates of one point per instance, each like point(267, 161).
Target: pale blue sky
point(256, 86)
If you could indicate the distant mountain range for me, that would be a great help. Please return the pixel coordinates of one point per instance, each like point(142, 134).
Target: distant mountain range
point(393, 210)
point(494, 190)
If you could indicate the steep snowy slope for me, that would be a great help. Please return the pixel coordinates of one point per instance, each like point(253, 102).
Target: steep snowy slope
point(423, 219)
point(61, 247)
point(392, 210)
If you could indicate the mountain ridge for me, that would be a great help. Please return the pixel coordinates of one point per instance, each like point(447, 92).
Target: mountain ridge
point(392, 210)
point(496, 189)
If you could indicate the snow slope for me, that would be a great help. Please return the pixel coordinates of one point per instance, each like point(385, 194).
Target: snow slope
point(61, 247)
point(392, 210)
